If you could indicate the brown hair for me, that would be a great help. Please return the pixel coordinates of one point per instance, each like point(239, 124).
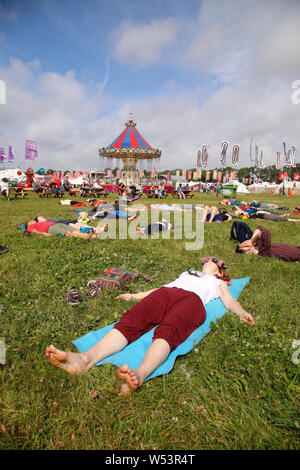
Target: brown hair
point(224, 276)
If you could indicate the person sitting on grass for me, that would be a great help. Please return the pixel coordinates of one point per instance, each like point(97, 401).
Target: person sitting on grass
point(260, 244)
point(177, 308)
point(213, 214)
point(49, 229)
point(5, 188)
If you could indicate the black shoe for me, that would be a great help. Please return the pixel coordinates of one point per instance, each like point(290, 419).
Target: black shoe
point(3, 250)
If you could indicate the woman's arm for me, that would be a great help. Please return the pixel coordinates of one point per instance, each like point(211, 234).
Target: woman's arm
point(138, 296)
point(233, 305)
point(251, 242)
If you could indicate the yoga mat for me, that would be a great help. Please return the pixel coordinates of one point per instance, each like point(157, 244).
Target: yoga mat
point(134, 353)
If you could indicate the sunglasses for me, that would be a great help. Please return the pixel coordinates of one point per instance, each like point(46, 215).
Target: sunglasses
point(219, 262)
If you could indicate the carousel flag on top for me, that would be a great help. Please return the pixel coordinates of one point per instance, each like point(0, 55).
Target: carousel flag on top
point(30, 151)
point(2, 155)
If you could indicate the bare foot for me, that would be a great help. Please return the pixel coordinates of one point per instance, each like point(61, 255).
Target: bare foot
point(129, 378)
point(73, 363)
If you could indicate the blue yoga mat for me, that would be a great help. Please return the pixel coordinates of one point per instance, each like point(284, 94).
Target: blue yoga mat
point(134, 353)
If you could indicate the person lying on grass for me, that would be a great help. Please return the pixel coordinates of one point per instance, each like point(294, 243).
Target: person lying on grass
point(213, 214)
point(177, 308)
point(155, 227)
point(260, 244)
point(49, 229)
point(254, 213)
point(71, 222)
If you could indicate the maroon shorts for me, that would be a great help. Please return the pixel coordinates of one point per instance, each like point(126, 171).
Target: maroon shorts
point(177, 313)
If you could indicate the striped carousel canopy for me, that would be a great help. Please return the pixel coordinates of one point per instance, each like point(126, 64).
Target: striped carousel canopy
point(130, 141)
point(130, 138)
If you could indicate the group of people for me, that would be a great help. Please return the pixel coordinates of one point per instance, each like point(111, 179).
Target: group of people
point(176, 309)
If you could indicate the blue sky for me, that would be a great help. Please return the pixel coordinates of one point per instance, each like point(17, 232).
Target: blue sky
point(192, 72)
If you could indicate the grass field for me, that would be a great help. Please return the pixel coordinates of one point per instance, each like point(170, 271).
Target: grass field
point(244, 388)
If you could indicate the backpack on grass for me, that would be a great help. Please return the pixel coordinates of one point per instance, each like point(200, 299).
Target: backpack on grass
point(240, 231)
point(113, 278)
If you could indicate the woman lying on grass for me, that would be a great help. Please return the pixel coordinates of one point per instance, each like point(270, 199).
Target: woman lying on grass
point(177, 308)
point(213, 214)
point(49, 229)
point(260, 244)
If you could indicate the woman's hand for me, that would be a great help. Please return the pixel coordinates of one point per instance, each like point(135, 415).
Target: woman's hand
point(247, 244)
point(126, 296)
point(247, 318)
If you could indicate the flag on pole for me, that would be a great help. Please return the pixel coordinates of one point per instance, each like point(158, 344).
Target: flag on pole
point(10, 154)
point(2, 155)
point(199, 173)
point(184, 174)
point(168, 177)
point(30, 151)
point(219, 176)
point(189, 174)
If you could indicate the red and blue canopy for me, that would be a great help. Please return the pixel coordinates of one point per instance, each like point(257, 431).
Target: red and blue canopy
point(130, 138)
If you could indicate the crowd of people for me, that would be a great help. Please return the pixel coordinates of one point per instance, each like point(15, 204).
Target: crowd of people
point(176, 308)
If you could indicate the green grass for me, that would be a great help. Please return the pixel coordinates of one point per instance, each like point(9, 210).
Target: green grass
point(244, 388)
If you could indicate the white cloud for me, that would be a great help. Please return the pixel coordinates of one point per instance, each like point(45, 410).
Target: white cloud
point(143, 44)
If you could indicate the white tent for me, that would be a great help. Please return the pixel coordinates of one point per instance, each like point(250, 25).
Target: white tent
point(78, 181)
point(240, 187)
point(12, 175)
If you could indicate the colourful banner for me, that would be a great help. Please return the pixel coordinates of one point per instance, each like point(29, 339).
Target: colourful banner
point(233, 174)
point(199, 173)
point(207, 176)
point(296, 176)
point(10, 154)
point(2, 155)
point(168, 176)
point(184, 174)
point(189, 174)
point(118, 173)
point(219, 178)
point(194, 175)
point(177, 174)
point(109, 173)
point(30, 150)
point(215, 174)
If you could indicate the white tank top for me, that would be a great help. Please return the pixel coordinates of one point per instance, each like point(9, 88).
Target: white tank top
point(206, 286)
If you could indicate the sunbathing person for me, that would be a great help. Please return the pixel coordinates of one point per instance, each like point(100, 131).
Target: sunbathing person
point(260, 244)
point(254, 213)
point(71, 222)
point(155, 227)
point(213, 214)
point(49, 229)
point(178, 308)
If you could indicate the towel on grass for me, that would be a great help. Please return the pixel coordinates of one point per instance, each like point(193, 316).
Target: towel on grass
point(134, 353)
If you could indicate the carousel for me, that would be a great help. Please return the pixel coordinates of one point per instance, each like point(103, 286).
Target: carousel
point(133, 150)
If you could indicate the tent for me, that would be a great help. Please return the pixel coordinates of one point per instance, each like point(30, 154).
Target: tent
point(13, 174)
